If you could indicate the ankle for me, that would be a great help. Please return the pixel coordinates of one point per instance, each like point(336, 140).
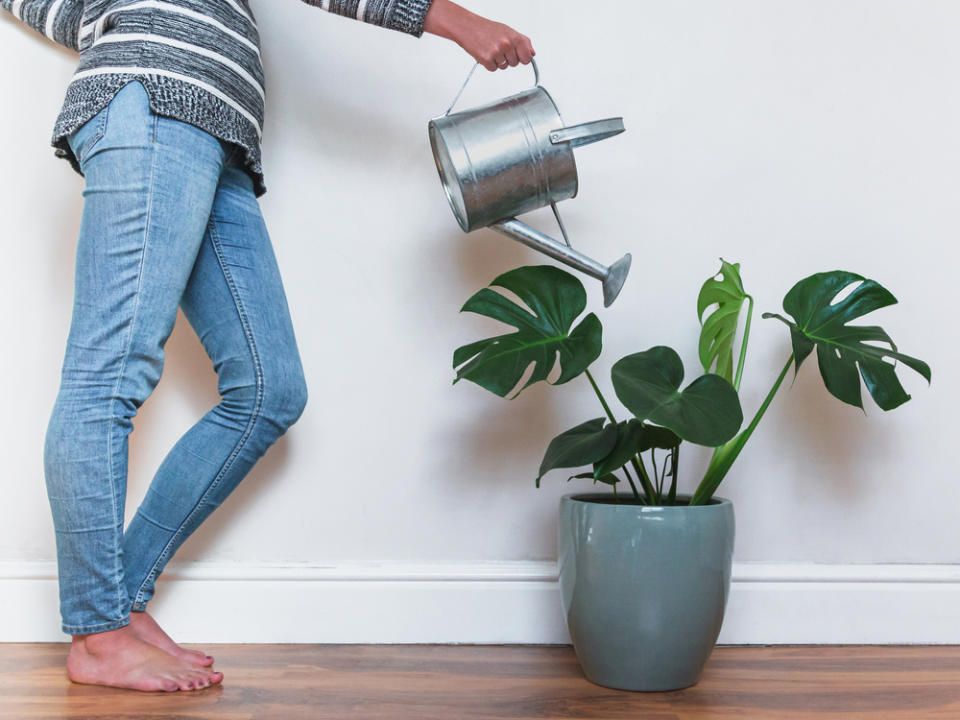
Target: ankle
point(97, 642)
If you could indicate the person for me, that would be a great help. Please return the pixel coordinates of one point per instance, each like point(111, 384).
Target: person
point(163, 119)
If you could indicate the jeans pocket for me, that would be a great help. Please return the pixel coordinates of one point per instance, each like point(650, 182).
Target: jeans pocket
point(85, 138)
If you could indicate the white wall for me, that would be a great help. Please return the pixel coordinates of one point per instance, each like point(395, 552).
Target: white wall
point(792, 137)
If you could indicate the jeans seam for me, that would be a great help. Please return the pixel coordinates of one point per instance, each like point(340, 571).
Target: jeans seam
point(122, 597)
point(153, 522)
point(97, 137)
point(254, 416)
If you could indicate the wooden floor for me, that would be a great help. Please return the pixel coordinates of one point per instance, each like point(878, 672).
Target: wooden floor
point(449, 682)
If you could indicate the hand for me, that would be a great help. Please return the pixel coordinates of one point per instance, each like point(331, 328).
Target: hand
point(492, 44)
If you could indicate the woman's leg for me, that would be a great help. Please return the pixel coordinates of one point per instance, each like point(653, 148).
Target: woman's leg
point(150, 184)
point(236, 303)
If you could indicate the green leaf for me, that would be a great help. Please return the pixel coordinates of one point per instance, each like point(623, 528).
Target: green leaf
point(634, 436)
point(846, 352)
point(608, 479)
point(719, 329)
point(658, 437)
point(725, 455)
point(582, 445)
point(556, 298)
point(707, 412)
point(629, 433)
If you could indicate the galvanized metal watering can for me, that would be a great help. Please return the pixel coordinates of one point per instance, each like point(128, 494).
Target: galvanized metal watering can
point(515, 155)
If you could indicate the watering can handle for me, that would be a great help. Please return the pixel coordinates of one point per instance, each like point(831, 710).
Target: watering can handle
point(536, 82)
point(586, 133)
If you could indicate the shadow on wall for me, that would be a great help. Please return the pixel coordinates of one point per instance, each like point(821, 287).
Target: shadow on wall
point(499, 440)
point(342, 132)
point(63, 249)
point(828, 440)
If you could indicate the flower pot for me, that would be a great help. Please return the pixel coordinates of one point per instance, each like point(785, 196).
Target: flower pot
point(643, 588)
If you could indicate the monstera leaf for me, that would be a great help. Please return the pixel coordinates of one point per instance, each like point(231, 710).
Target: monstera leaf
point(582, 445)
point(556, 299)
point(707, 412)
point(634, 436)
point(719, 328)
point(842, 349)
point(607, 447)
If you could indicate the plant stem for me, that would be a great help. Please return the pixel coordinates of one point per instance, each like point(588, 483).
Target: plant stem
point(607, 410)
point(632, 486)
point(743, 345)
point(656, 473)
point(603, 401)
point(767, 400)
point(672, 495)
point(637, 463)
point(725, 455)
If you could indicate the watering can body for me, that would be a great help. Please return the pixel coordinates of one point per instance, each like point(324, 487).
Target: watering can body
point(512, 156)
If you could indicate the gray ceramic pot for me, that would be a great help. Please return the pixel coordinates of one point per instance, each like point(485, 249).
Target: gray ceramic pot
point(644, 588)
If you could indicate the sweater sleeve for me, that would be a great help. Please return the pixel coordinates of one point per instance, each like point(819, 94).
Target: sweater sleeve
point(402, 15)
point(59, 20)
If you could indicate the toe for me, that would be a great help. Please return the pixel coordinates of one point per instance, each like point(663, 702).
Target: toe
point(200, 680)
point(201, 658)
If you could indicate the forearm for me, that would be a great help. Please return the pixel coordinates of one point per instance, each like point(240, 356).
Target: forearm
point(447, 19)
point(492, 44)
point(58, 20)
point(405, 16)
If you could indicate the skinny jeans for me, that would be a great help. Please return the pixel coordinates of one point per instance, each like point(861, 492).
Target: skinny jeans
point(170, 219)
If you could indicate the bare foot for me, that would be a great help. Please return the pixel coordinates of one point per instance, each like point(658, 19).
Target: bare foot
point(118, 658)
point(148, 630)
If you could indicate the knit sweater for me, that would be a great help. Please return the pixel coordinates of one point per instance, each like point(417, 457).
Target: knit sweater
point(199, 60)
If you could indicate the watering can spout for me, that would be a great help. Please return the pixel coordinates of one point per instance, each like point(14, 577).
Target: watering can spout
point(612, 276)
point(615, 279)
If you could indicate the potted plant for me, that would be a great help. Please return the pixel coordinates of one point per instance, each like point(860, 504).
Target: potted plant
point(645, 574)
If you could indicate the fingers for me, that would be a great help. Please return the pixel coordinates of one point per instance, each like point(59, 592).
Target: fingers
point(511, 56)
point(524, 50)
point(490, 62)
point(506, 48)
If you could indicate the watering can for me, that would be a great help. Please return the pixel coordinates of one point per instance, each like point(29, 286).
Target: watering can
point(515, 155)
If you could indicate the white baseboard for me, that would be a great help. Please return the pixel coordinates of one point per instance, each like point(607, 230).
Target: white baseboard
point(505, 602)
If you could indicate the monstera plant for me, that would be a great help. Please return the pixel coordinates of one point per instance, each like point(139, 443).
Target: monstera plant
point(649, 383)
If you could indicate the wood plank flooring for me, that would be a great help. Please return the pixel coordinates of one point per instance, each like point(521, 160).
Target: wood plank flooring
point(472, 682)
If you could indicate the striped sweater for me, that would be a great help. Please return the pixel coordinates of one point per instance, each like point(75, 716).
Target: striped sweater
point(199, 60)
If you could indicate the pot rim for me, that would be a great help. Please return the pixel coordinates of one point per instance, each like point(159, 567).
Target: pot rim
point(591, 497)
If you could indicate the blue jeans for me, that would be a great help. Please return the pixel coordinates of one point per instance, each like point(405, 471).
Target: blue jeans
point(169, 219)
